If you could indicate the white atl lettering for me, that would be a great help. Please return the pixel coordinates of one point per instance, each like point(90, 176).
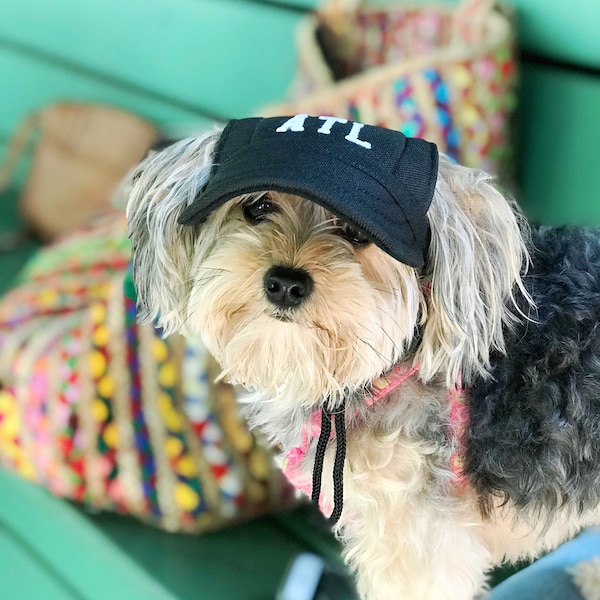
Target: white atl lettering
point(294, 124)
point(329, 123)
point(353, 136)
point(297, 124)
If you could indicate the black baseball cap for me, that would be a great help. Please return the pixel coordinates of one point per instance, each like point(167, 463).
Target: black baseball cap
point(377, 180)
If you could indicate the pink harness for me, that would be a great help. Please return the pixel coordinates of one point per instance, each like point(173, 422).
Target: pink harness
point(381, 388)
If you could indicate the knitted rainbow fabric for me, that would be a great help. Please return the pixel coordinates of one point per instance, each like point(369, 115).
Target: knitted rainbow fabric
point(106, 412)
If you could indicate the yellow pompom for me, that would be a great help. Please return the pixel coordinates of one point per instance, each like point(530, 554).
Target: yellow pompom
point(165, 405)
point(461, 77)
point(48, 298)
point(101, 335)
point(259, 467)
point(256, 492)
point(174, 421)
point(186, 466)
point(167, 375)
point(160, 351)
point(469, 115)
point(185, 497)
point(111, 435)
point(236, 429)
point(99, 410)
point(7, 402)
point(9, 426)
point(173, 447)
point(106, 387)
point(98, 312)
point(242, 439)
point(97, 364)
point(11, 450)
point(26, 470)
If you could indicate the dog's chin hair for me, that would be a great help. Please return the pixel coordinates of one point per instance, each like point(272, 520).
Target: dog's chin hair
point(292, 362)
point(300, 374)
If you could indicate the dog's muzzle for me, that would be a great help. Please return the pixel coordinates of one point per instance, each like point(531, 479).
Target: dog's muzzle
point(287, 287)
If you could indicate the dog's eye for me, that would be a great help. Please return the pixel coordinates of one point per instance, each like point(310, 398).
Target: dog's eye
point(258, 210)
point(355, 236)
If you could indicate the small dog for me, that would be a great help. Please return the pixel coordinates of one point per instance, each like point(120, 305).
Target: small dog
point(404, 303)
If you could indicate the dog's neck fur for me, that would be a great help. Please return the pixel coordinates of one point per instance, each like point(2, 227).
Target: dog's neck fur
point(394, 401)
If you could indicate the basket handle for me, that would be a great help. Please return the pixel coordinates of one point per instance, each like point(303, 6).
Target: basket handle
point(336, 12)
point(470, 19)
point(339, 6)
point(9, 240)
point(16, 148)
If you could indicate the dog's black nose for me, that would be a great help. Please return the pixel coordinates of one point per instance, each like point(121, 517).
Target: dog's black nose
point(287, 287)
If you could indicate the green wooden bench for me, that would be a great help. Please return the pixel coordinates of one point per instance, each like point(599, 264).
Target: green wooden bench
point(184, 64)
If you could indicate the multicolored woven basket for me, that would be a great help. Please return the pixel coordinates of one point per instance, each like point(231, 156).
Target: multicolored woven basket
point(447, 74)
point(106, 412)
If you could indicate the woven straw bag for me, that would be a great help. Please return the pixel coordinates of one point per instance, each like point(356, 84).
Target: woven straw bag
point(82, 151)
point(443, 73)
point(106, 412)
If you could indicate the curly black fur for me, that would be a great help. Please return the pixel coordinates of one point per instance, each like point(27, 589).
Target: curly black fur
point(534, 432)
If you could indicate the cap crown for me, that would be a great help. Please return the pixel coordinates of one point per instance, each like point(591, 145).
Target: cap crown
point(376, 179)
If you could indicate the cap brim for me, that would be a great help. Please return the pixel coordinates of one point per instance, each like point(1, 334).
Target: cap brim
point(359, 205)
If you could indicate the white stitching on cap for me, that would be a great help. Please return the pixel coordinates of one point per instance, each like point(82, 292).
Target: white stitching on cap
point(329, 122)
point(353, 136)
point(297, 122)
point(294, 124)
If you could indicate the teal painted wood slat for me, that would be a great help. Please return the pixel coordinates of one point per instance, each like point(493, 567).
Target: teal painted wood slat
point(118, 558)
point(559, 156)
point(244, 562)
point(302, 4)
point(34, 84)
point(63, 543)
point(566, 31)
point(227, 57)
point(25, 575)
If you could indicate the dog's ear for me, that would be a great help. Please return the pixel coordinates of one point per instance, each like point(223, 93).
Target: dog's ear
point(475, 262)
point(162, 250)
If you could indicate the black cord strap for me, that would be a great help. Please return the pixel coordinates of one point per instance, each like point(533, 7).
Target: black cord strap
point(340, 457)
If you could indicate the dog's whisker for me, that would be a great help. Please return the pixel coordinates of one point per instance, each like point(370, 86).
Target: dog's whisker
point(372, 347)
point(396, 323)
point(396, 348)
point(213, 271)
point(202, 278)
point(186, 320)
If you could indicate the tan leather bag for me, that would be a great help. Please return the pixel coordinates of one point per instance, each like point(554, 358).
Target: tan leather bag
point(81, 154)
